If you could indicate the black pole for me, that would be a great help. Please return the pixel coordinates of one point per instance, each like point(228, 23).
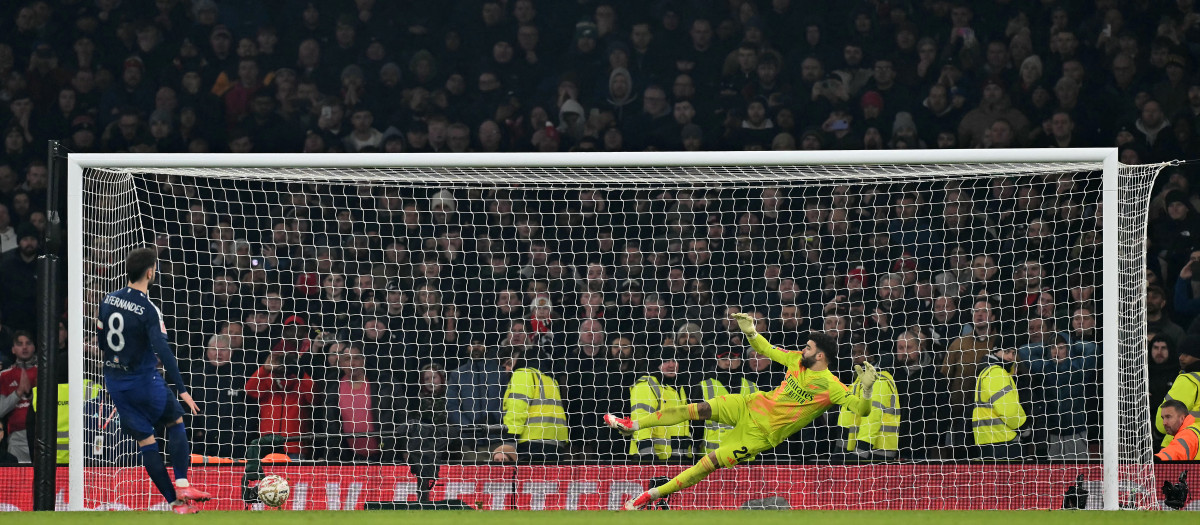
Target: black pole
point(44, 445)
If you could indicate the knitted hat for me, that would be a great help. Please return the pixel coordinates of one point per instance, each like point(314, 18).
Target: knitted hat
point(1190, 345)
point(904, 120)
point(27, 230)
point(873, 99)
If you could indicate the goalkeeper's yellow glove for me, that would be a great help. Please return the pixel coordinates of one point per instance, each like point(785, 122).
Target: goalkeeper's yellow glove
point(866, 377)
point(746, 323)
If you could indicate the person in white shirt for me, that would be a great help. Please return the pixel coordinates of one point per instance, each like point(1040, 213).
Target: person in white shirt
point(8, 234)
point(363, 135)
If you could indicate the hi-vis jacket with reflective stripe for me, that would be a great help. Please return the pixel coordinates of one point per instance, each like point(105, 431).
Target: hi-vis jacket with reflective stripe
point(998, 413)
point(1185, 444)
point(1186, 390)
point(91, 390)
point(533, 408)
point(646, 397)
point(880, 428)
point(713, 388)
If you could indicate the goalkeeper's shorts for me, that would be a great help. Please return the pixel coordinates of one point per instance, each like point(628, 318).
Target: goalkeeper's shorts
point(746, 440)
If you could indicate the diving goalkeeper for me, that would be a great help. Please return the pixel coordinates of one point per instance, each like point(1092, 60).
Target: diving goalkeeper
point(761, 420)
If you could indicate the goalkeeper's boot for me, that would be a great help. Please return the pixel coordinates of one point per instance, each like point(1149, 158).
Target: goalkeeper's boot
point(183, 507)
point(620, 424)
point(639, 502)
point(191, 494)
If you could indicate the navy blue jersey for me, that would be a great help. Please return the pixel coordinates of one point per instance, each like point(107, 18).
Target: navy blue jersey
point(133, 337)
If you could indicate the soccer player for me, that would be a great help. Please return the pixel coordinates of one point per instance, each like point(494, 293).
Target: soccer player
point(761, 420)
point(133, 337)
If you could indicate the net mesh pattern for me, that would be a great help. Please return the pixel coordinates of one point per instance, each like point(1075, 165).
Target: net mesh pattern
point(370, 316)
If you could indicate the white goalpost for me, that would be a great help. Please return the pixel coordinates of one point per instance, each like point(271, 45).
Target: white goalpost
point(597, 268)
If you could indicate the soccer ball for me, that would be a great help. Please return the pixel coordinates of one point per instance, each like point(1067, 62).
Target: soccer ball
point(273, 491)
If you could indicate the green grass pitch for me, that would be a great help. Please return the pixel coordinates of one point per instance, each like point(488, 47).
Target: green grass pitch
point(716, 517)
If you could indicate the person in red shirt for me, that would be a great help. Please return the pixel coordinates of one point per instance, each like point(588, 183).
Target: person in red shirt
point(285, 395)
point(16, 383)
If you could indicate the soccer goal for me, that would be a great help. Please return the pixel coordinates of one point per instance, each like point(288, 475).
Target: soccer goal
point(349, 322)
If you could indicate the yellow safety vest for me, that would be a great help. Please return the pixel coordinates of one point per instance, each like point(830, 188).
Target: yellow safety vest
point(998, 413)
point(63, 443)
point(881, 428)
point(646, 397)
point(1186, 390)
point(713, 431)
point(533, 408)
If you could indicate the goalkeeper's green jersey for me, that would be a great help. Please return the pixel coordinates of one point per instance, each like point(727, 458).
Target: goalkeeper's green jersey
point(803, 395)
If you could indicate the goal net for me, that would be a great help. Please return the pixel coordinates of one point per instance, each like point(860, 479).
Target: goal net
point(392, 334)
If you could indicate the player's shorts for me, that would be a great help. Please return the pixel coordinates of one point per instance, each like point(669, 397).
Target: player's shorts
point(144, 408)
point(746, 440)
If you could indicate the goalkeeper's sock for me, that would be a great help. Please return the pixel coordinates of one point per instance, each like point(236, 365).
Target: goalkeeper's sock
point(668, 417)
point(687, 478)
point(158, 471)
point(180, 452)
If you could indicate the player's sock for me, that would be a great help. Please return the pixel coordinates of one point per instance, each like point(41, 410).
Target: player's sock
point(153, 462)
point(685, 479)
point(669, 416)
point(180, 451)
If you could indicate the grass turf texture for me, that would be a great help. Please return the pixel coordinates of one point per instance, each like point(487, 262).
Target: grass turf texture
point(759, 517)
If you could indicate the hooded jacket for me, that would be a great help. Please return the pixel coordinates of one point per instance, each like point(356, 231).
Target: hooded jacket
point(998, 412)
point(574, 131)
point(652, 393)
point(1163, 375)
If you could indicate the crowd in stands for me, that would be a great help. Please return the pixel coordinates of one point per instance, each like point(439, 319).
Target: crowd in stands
point(393, 314)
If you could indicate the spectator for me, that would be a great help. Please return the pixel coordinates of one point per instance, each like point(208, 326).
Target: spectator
point(994, 106)
point(966, 354)
point(725, 379)
point(937, 112)
point(218, 383)
point(284, 394)
point(1062, 377)
point(1157, 321)
point(660, 390)
point(473, 400)
point(1040, 334)
point(1186, 387)
point(8, 234)
point(16, 384)
point(877, 435)
point(133, 91)
point(427, 433)
point(1151, 132)
point(363, 135)
point(923, 395)
point(534, 418)
point(18, 279)
point(998, 413)
point(294, 337)
point(359, 402)
point(583, 382)
point(1163, 365)
point(620, 374)
point(333, 308)
point(1172, 235)
point(1084, 342)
